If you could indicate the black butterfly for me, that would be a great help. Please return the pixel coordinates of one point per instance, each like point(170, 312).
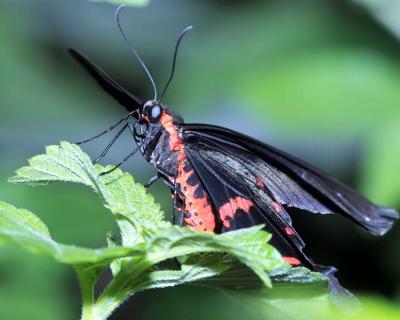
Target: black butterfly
point(222, 180)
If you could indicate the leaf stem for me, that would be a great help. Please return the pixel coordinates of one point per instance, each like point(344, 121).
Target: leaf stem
point(119, 289)
point(87, 281)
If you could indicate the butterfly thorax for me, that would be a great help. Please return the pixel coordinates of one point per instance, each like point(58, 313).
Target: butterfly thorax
point(162, 143)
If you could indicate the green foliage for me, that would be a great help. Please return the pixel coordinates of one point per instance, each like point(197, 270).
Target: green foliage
point(381, 164)
point(321, 87)
point(22, 228)
point(146, 239)
point(133, 3)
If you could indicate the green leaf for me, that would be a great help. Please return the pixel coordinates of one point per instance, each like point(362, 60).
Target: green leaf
point(288, 274)
point(249, 246)
point(140, 219)
point(134, 208)
point(115, 265)
point(60, 163)
point(22, 228)
point(120, 193)
point(239, 277)
point(195, 268)
point(23, 218)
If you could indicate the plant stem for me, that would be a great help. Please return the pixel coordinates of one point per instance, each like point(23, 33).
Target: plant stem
point(119, 289)
point(87, 281)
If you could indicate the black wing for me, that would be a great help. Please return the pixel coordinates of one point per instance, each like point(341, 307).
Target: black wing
point(124, 97)
point(237, 198)
point(294, 182)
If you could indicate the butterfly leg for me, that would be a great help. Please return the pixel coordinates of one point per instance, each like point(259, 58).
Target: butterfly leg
point(121, 163)
point(180, 219)
point(105, 131)
point(152, 180)
point(177, 207)
point(127, 157)
point(174, 203)
point(110, 144)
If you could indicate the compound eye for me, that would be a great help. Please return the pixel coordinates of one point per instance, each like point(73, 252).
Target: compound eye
point(154, 113)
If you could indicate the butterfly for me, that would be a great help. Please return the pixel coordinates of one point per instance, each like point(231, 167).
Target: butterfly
point(223, 180)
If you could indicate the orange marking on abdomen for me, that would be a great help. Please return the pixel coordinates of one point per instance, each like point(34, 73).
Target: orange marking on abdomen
point(229, 209)
point(292, 261)
point(198, 212)
point(175, 141)
point(199, 215)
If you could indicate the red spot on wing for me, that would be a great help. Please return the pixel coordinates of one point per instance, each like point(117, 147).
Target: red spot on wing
point(198, 214)
point(228, 210)
point(277, 207)
point(289, 231)
point(292, 261)
point(260, 182)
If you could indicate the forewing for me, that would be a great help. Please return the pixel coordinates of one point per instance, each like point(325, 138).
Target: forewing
point(124, 97)
point(309, 188)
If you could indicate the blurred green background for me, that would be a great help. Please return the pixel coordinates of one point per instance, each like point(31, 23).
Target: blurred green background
point(319, 79)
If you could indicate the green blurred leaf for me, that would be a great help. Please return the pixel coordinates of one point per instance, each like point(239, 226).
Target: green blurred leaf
point(340, 90)
point(133, 3)
point(379, 180)
point(319, 308)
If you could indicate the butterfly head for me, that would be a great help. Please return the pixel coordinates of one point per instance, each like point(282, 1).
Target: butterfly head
point(151, 111)
point(154, 123)
point(148, 116)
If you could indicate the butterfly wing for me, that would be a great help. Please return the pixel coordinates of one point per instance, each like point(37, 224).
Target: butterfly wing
point(293, 182)
point(124, 97)
point(238, 198)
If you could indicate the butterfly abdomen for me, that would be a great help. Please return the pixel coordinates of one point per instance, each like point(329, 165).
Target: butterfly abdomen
point(192, 199)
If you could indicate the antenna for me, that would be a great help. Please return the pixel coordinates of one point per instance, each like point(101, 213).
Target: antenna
point(117, 18)
point(178, 42)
